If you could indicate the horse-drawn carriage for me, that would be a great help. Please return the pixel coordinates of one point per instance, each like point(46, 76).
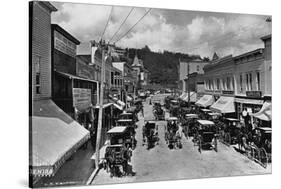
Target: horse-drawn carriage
point(150, 134)
point(231, 132)
point(258, 146)
point(118, 152)
point(158, 112)
point(174, 108)
point(188, 124)
point(128, 116)
point(206, 135)
point(173, 133)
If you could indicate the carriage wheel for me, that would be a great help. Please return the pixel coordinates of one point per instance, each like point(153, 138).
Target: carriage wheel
point(199, 145)
point(216, 145)
point(227, 138)
point(263, 157)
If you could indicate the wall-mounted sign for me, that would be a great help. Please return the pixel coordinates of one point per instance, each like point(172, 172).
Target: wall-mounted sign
point(64, 45)
point(81, 98)
point(228, 92)
point(253, 94)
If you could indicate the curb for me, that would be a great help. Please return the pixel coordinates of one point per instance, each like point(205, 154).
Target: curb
point(93, 175)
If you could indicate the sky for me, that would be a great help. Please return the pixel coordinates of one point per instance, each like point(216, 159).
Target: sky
point(192, 32)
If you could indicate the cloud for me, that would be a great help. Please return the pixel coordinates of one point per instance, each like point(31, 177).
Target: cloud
point(191, 32)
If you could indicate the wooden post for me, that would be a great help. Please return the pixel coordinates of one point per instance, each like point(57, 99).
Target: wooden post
point(100, 111)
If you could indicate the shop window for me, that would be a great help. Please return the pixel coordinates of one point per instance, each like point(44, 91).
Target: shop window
point(37, 75)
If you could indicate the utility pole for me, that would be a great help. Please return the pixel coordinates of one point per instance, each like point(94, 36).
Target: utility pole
point(100, 107)
point(188, 89)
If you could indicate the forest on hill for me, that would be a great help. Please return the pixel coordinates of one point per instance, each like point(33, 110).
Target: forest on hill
point(163, 66)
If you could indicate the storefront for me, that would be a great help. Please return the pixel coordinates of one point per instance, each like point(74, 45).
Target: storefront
point(245, 107)
point(205, 101)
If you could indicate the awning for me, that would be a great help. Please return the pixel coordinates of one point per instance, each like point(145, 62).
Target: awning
point(104, 106)
point(183, 96)
point(249, 101)
point(70, 76)
point(224, 105)
point(265, 112)
point(53, 138)
point(193, 97)
point(118, 106)
point(129, 99)
point(205, 101)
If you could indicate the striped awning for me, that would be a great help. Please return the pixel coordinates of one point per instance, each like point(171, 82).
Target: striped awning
point(53, 139)
point(265, 112)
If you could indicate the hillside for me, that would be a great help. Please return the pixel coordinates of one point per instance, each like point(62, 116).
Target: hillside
point(162, 66)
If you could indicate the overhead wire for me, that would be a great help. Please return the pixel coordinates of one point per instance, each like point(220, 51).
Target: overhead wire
point(107, 23)
point(133, 26)
point(121, 24)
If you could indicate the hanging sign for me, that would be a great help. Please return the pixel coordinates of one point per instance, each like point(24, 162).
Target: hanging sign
point(81, 98)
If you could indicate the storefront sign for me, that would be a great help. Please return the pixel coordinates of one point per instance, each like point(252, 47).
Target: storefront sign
point(81, 98)
point(228, 92)
point(253, 94)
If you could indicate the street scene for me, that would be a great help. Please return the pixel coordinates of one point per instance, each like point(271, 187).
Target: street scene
point(130, 94)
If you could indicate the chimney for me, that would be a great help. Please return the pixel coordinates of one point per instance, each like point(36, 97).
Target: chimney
point(94, 48)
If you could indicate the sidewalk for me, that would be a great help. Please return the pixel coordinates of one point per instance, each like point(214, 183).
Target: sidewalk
point(74, 171)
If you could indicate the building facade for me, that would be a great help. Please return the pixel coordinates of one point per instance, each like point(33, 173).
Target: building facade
point(188, 67)
point(140, 72)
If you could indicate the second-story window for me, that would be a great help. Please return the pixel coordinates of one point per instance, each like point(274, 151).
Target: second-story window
point(218, 84)
point(241, 83)
point(258, 81)
point(37, 75)
point(250, 82)
point(197, 68)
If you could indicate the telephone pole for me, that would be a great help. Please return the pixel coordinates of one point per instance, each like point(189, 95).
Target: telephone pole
point(188, 89)
point(104, 57)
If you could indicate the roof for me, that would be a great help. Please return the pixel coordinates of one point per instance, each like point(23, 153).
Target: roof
point(70, 76)
point(205, 122)
point(48, 5)
point(266, 37)
point(124, 120)
point(191, 115)
point(260, 50)
point(65, 33)
point(232, 119)
point(172, 118)
point(118, 129)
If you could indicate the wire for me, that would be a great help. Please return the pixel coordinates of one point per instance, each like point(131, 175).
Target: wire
point(121, 24)
point(107, 22)
point(133, 26)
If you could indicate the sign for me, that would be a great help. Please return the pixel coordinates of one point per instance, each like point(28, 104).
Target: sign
point(81, 98)
point(64, 45)
point(253, 94)
point(228, 92)
point(85, 71)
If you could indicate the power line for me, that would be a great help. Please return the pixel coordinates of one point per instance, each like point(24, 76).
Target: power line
point(121, 24)
point(107, 22)
point(133, 25)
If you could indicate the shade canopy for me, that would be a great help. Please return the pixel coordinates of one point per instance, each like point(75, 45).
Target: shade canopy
point(224, 105)
point(205, 122)
point(192, 97)
point(265, 112)
point(52, 142)
point(205, 101)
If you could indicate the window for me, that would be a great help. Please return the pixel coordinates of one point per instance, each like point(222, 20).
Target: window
point(241, 83)
point(247, 82)
point(37, 75)
point(218, 84)
point(228, 83)
point(250, 81)
point(258, 81)
point(112, 78)
point(198, 68)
